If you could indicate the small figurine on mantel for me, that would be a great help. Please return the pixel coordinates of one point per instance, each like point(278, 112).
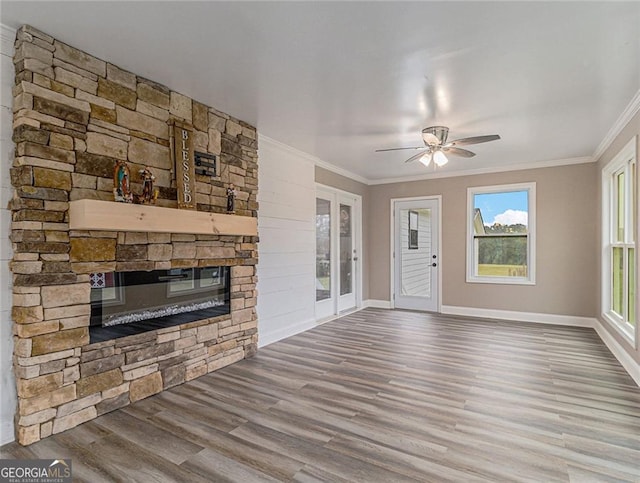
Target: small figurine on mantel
point(148, 195)
point(231, 198)
point(121, 183)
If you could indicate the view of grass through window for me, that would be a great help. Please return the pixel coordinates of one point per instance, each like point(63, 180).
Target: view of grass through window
point(620, 222)
point(623, 268)
point(501, 229)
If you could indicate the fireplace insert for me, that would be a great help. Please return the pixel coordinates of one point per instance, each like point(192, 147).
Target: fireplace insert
point(127, 303)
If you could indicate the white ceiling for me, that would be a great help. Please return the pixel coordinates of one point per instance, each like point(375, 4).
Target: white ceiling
point(341, 79)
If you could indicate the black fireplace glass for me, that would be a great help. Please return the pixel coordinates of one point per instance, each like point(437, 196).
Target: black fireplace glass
point(128, 303)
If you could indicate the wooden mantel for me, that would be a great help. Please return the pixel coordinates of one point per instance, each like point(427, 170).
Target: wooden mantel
point(112, 216)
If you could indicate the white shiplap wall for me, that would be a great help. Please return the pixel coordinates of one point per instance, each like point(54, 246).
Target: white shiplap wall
point(7, 384)
point(286, 251)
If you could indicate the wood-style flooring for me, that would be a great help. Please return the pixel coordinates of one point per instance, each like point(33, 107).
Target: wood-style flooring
point(380, 395)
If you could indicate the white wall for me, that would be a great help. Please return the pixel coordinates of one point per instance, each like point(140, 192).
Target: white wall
point(7, 384)
point(286, 251)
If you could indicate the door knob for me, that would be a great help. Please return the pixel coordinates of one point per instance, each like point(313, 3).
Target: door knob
point(434, 264)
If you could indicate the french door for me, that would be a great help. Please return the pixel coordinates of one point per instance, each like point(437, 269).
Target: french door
point(416, 257)
point(337, 249)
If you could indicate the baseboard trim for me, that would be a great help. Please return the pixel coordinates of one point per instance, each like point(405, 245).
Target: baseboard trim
point(629, 364)
point(538, 318)
point(264, 339)
point(6, 432)
point(376, 304)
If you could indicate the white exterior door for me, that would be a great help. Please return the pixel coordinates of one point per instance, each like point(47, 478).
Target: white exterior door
point(348, 256)
point(337, 252)
point(416, 257)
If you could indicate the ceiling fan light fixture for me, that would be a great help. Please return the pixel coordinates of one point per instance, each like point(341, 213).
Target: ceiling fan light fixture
point(439, 158)
point(439, 133)
point(430, 139)
point(426, 158)
point(436, 145)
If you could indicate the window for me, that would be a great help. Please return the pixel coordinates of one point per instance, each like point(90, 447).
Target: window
point(619, 218)
point(413, 230)
point(501, 234)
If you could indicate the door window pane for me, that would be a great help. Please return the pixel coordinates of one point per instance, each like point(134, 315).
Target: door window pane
point(323, 249)
point(415, 263)
point(413, 230)
point(346, 250)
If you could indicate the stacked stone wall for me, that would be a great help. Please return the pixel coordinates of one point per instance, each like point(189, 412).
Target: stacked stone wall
point(74, 117)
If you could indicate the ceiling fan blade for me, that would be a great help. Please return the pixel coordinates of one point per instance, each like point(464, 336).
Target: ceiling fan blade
point(458, 152)
point(417, 156)
point(473, 140)
point(397, 149)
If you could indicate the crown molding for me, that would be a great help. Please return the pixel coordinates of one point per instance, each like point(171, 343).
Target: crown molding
point(631, 110)
point(420, 177)
point(490, 170)
point(343, 172)
point(265, 140)
point(313, 159)
point(435, 175)
point(7, 39)
point(7, 33)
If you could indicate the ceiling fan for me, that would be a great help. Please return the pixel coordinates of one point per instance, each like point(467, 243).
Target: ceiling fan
point(436, 145)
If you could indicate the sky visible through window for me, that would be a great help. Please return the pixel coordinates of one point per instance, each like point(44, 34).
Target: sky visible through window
point(506, 208)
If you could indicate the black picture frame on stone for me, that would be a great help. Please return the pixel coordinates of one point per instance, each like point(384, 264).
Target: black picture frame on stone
point(413, 230)
point(206, 164)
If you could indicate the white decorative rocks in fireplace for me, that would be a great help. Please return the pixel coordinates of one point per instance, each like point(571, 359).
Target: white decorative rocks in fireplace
point(75, 116)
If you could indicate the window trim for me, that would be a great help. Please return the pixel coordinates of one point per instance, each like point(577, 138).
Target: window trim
point(531, 235)
point(620, 162)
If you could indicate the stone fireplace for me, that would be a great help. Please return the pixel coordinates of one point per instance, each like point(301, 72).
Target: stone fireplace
point(75, 116)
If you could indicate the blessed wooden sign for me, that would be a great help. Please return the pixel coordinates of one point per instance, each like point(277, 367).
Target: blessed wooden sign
point(184, 166)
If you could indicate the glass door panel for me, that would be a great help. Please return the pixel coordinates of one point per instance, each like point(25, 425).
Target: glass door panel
point(337, 235)
point(346, 250)
point(348, 255)
point(415, 252)
point(323, 249)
